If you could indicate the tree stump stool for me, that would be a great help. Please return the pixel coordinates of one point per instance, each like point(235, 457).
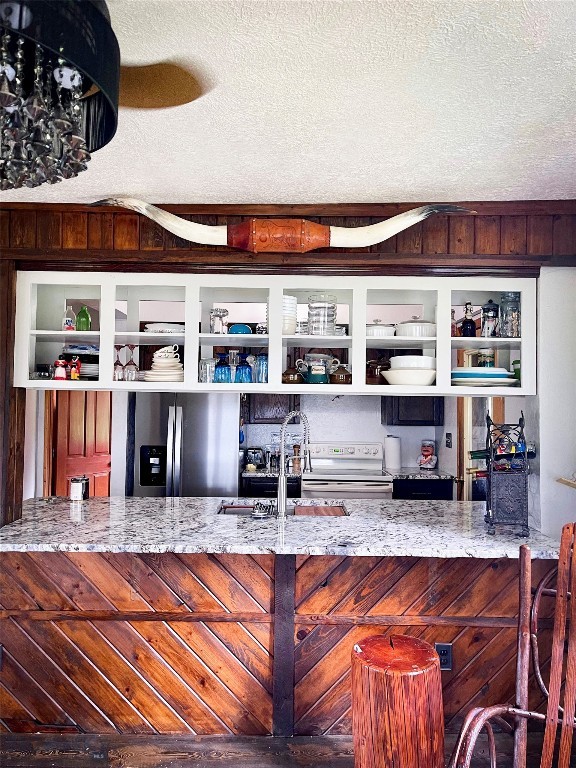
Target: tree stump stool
point(397, 712)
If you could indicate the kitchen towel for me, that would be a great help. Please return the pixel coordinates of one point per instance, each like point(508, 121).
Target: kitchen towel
point(392, 452)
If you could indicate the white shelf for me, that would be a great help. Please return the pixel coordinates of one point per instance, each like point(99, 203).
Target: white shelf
point(40, 296)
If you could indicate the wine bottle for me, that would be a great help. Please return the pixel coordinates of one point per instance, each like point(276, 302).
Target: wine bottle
point(83, 319)
point(69, 320)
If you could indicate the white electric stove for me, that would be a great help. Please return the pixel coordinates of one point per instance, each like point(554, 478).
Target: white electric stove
point(346, 470)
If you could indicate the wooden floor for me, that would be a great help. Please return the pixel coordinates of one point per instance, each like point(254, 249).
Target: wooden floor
point(81, 751)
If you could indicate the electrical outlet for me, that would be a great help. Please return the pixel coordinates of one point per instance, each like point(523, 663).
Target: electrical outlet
point(448, 439)
point(444, 651)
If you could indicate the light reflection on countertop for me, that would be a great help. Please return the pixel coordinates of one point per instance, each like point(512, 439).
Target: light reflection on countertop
point(189, 524)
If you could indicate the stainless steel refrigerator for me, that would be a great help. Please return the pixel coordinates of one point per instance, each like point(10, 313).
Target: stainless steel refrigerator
point(182, 444)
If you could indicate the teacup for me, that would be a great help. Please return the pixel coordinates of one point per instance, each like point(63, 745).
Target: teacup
point(166, 351)
point(165, 357)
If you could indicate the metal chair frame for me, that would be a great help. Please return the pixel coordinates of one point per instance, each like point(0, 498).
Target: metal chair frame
point(562, 672)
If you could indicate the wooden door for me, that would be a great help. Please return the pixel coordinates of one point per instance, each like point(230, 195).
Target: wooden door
point(81, 438)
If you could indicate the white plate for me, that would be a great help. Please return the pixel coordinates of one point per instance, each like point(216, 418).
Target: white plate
point(151, 377)
point(481, 371)
point(489, 382)
point(164, 328)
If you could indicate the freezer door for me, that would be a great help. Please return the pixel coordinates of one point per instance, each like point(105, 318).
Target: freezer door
point(209, 457)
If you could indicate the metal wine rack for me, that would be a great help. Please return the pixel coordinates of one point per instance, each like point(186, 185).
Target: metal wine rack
point(507, 487)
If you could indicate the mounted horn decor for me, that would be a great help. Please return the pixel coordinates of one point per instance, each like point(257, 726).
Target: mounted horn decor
point(281, 235)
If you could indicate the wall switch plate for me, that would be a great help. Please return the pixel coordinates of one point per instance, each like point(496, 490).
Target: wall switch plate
point(448, 439)
point(444, 651)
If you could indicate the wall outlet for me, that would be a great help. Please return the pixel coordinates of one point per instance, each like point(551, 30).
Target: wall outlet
point(444, 651)
point(448, 439)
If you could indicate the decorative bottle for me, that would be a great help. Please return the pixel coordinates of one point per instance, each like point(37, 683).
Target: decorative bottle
point(510, 315)
point(489, 319)
point(83, 319)
point(69, 320)
point(453, 325)
point(468, 324)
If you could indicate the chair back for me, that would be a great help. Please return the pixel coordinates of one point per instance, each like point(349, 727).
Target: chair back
point(562, 682)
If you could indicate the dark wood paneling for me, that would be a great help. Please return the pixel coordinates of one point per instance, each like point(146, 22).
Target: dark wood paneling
point(49, 229)
point(513, 234)
point(126, 232)
point(74, 230)
point(23, 228)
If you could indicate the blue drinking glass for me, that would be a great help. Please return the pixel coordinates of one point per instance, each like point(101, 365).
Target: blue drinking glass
point(222, 370)
point(243, 371)
point(261, 366)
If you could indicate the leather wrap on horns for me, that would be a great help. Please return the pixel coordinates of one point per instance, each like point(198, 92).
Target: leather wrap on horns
point(281, 235)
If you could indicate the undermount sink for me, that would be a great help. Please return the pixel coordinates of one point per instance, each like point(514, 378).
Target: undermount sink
point(267, 508)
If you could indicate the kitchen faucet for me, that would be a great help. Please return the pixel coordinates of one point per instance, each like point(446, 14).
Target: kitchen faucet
point(282, 481)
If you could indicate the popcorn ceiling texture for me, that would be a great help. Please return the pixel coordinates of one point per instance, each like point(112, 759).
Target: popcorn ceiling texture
point(345, 101)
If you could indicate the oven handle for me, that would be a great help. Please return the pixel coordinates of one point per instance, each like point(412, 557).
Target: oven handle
point(343, 485)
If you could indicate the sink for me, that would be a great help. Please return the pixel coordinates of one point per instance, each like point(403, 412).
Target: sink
point(267, 508)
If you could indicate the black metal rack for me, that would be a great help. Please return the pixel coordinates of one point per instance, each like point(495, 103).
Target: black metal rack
point(507, 488)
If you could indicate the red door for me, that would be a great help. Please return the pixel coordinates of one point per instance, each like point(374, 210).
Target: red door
point(81, 422)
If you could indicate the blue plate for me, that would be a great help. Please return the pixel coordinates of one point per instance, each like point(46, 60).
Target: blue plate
point(239, 328)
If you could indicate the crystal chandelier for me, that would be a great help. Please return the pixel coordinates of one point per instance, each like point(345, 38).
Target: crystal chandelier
point(59, 73)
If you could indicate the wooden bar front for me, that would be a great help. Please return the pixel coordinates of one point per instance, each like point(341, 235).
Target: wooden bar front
point(184, 643)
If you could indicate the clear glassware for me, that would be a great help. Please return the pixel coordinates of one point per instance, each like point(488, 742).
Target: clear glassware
point(243, 373)
point(489, 326)
point(206, 370)
point(222, 370)
point(218, 322)
point(510, 315)
point(131, 369)
point(321, 314)
point(118, 366)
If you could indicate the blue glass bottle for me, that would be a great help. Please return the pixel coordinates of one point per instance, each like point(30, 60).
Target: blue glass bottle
point(222, 369)
point(243, 371)
point(261, 368)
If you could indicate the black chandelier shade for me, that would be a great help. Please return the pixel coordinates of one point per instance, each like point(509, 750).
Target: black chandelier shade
point(59, 80)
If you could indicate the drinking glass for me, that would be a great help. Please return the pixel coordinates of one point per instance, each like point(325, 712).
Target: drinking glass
point(261, 368)
point(222, 370)
point(243, 373)
point(207, 365)
point(118, 366)
point(131, 369)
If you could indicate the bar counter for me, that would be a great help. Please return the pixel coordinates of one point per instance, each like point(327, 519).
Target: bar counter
point(438, 529)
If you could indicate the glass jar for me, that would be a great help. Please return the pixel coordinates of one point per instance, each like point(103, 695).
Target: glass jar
point(218, 322)
point(261, 368)
point(489, 326)
point(510, 315)
point(321, 314)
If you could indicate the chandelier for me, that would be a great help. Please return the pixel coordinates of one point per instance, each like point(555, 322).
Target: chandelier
point(59, 74)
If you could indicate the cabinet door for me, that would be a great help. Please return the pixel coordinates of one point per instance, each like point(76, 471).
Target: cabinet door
point(412, 411)
point(270, 409)
point(423, 489)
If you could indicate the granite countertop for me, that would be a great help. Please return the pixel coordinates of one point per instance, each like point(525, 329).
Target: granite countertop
point(381, 528)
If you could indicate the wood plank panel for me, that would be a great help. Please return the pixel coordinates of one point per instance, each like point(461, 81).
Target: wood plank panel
point(49, 229)
point(435, 234)
point(487, 234)
point(74, 230)
point(513, 234)
point(564, 235)
point(23, 228)
point(461, 234)
point(539, 235)
point(126, 232)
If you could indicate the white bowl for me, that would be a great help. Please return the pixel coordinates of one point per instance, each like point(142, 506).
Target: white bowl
point(416, 328)
point(412, 361)
point(412, 376)
point(380, 330)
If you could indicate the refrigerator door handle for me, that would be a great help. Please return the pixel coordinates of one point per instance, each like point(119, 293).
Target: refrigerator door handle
point(170, 452)
point(177, 452)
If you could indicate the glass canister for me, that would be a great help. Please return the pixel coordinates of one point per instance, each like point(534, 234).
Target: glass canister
point(218, 322)
point(510, 315)
point(321, 314)
point(489, 319)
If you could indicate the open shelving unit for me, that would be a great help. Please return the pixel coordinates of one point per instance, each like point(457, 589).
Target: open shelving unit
point(122, 304)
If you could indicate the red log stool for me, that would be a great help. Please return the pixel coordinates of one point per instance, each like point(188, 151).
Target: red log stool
point(397, 712)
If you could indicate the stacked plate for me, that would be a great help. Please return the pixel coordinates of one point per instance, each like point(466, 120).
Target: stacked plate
point(289, 307)
point(483, 377)
point(164, 328)
point(89, 371)
point(165, 367)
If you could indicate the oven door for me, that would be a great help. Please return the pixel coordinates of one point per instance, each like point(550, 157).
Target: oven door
point(346, 489)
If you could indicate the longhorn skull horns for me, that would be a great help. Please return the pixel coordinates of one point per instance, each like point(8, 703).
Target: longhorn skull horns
point(281, 235)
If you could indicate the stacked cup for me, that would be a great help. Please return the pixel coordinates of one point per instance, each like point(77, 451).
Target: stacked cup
point(166, 366)
point(289, 306)
point(322, 314)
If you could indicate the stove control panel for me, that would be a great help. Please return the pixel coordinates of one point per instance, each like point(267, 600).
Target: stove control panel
point(344, 451)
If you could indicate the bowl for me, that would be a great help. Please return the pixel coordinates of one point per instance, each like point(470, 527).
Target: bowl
point(412, 361)
point(380, 330)
point(416, 328)
point(421, 377)
point(239, 328)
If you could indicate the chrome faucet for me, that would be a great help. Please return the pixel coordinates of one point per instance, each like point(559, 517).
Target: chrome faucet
point(282, 481)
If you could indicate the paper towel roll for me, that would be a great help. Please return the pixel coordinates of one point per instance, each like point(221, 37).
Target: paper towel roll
point(392, 452)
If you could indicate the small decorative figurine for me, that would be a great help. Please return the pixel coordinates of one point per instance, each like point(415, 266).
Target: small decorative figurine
point(427, 458)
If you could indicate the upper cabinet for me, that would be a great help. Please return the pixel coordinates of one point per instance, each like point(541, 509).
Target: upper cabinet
point(177, 332)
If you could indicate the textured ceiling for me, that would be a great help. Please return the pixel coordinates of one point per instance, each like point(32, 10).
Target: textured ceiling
point(345, 101)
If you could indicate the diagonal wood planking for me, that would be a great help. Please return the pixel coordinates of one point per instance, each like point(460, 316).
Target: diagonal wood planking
point(205, 677)
point(370, 587)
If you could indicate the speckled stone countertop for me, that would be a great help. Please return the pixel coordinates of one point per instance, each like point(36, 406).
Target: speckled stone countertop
point(382, 528)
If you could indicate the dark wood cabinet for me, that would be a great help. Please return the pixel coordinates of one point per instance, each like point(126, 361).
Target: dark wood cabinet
point(422, 489)
point(412, 411)
point(269, 409)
